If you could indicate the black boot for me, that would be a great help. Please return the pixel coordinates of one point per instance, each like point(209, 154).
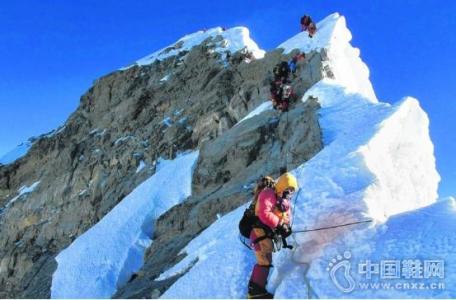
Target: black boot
point(258, 292)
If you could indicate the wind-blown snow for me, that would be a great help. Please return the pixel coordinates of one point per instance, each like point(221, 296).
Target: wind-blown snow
point(16, 153)
point(104, 257)
point(348, 68)
point(265, 106)
point(232, 40)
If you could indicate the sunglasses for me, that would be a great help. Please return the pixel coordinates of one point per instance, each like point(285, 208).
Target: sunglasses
point(288, 193)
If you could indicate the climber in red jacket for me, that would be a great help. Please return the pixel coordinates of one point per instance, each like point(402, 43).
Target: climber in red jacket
point(273, 209)
point(308, 25)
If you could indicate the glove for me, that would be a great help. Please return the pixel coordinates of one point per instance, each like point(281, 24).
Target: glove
point(284, 230)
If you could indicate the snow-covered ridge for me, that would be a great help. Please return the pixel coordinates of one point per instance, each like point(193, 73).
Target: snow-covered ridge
point(344, 60)
point(382, 151)
point(231, 40)
point(105, 256)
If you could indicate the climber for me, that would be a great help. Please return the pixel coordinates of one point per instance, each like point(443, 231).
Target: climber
point(281, 71)
point(281, 95)
point(305, 22)
point(273, 209)
point(312, 29)
point(274, 88)
point(293, 62)
point(308, 25)
point(286, 95)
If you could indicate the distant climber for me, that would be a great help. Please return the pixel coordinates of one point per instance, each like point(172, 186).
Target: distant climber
point(308, 25)
point(273, 210)
point(280, 88)
point(285, 96)
point(293, 62)
point(281, 71)
point(312, 29)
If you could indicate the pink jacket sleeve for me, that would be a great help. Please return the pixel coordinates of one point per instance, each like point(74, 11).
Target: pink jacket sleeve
point(265, 208)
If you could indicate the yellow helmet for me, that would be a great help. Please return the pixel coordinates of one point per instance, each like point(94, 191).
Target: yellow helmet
point(285, 181)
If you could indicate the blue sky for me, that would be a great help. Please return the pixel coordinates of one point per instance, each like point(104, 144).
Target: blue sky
point(52, 51)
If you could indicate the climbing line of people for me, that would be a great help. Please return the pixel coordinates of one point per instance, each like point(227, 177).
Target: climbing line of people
point(280, 86)
point(267, 222)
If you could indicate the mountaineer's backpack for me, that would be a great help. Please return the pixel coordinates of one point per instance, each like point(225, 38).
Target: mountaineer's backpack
point(249, 219)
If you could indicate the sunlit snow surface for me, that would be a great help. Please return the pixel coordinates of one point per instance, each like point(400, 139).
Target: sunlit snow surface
point(423, 236)
point(105, 256)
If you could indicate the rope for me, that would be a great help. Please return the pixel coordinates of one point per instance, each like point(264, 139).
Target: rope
point(331, 227)
point(311, 294)
point(287, 136)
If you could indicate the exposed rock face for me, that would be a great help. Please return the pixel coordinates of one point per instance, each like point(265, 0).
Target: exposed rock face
point(140, 114)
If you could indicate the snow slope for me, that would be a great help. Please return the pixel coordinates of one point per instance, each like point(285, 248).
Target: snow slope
point(426, 234)
point(222, 266)
point(107, 254)
point(232, 40)
point(377, 162)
